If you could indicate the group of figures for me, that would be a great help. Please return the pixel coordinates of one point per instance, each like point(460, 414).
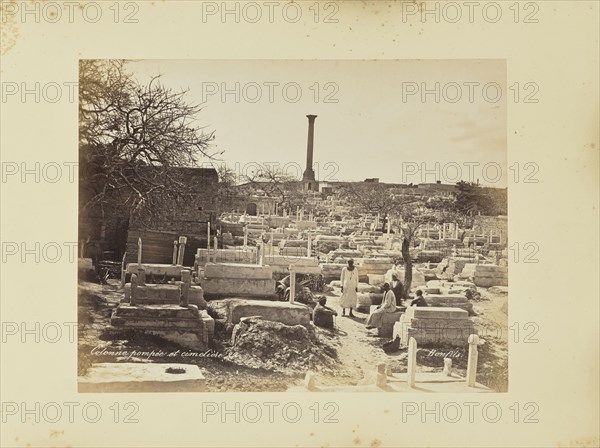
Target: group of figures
point(392, 298)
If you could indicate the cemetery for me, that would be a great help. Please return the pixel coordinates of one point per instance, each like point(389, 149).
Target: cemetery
point(229, 304)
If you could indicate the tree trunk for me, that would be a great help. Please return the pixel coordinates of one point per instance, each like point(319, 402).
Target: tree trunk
point(407, 267)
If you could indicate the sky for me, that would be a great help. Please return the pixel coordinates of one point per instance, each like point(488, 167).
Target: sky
point(374, 119)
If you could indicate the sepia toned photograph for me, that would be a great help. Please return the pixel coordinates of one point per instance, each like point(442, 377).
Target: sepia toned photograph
point(299, 223)
point(254, 226)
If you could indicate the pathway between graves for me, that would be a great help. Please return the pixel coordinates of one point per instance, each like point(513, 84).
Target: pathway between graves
point(359, 349)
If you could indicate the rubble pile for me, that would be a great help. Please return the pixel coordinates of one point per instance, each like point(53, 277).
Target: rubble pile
point(260, 343)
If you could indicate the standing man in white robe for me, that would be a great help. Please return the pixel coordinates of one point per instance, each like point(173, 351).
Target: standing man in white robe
point(349, 281)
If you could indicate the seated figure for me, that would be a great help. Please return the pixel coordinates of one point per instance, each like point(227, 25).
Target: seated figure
point(419, 300)
point(323, 315)
point(388, 305)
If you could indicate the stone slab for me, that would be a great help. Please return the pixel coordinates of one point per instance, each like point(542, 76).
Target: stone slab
point(150, 323)
point(164, 294)
point(302, 265)
point(282, 260)
point(431, 312)
point(488, 283)
point(158, 270)
point(227, 287)
point(376, 279)
point(141, 377)
point(304, 225)
point(238, 255)
point(237, 271)
point(283, 312)
point(332, 269)
point(490, 268)
point(366, 300)
point(294, 251)
point(432, 299)
point(158, 311)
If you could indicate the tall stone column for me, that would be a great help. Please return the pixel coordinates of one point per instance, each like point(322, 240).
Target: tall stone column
point(309, 174)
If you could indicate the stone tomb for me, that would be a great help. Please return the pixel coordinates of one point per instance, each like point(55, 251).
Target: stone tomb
point(181, 322)
point(487, 275)
point(450, 301)
point(389, 320)
point(157, 270)
point(433, 325)
point(303, 265)
point(284, 312)
point(234, 280)
point(377, 266)
point(240, 254)
point(164, 294)
point(141, 377)
point(367, 299)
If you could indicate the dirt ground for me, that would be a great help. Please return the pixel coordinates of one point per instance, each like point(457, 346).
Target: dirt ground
point(358, 349)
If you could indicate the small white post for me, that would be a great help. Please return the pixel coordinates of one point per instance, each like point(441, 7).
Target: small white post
point(412, 362)
point(261, 258)
point(139, 257)
point(174, 252)
point(309, 251)
point(185, 285)
point(472, 361)
point(292, 283)
point(216, 246)
point(448, 366)
point(123, 271)
point(245, 236)
point(208, 237)
point(133, 292)
point(182, 242)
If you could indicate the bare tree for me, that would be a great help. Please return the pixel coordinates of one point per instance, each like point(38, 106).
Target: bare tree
point(413, 212)
point(131, 137)
point(371, 198)
point(285, 190)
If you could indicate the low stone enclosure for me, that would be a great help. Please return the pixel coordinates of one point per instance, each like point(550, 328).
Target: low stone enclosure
point(434, 325)
point(165, 310)
point(237, 280)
